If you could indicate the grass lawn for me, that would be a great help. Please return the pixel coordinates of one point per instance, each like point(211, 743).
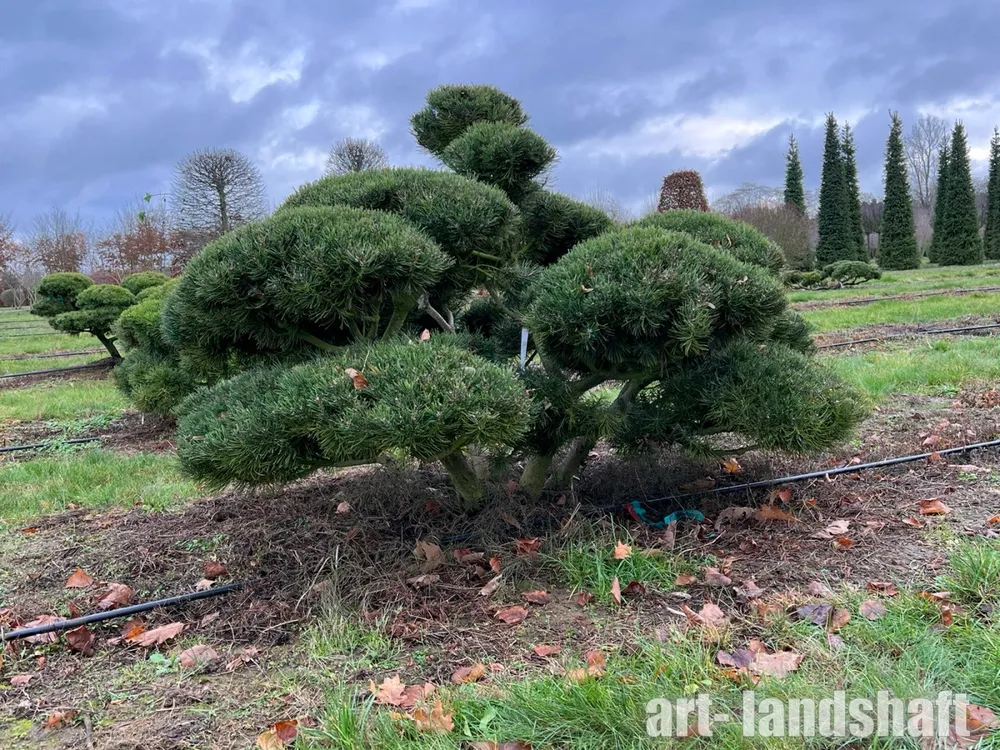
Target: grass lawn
point(929, 310)
point(62, 399)
point(50, 363)
point(909, 282)
point(90, 478)
point(60, 342)
point(941, 366)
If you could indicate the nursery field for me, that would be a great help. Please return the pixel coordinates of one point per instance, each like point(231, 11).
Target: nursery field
point(545, 624)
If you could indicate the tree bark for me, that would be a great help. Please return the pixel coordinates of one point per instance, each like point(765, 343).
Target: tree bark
point(536, 471)
point(109, 345)
point(463, 476)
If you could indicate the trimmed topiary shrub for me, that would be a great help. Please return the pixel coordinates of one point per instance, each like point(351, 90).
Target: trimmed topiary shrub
point(380, 314)
point(74, 304)
point(138, 282)
point(682, 190)
point(850, 272)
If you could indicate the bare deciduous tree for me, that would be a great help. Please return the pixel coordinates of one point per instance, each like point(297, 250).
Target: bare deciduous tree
point(923, 143)
point(60, 241)
point(356, 155)
point(605, 201)
point(871, 221)
point(217, 189)
point(784, 224)
point(137, 239)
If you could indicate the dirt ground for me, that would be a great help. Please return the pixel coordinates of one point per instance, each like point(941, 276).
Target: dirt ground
point(349, 539)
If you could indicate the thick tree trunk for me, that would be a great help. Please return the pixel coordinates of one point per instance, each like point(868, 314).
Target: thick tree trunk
point(109, 345)
point(536, 471)
point(463, 476)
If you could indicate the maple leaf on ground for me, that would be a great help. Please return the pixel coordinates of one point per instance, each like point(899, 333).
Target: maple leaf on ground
point(616, 590)
point(843, 542)
point(204, 584)
point(536, 597)
point(511, 615)
point(495, 564)
point(156, 636)
point(634, 590)
point(423, 581)
point(279, 736)
point(883, 587)
point(768, 513)
point(490, 745)
point(20, 680)
point(817, 588)
point(243, 657)
point(758, 659)
point(357, 378)
point(622, 551)
point(429, 555)
point(544, 650)
point(463, 675)
point(731, 466)
point(710, 615)
point(56, 720)
point(583, 598)
point(933, 507)
point(931, 441)
point(783, 495)
point(81, 640)
point(835, 529)
point(43, 637)
point(435, 720)
point(115, 596)
point(872, 609)
point(714, 577)
point(490, 588)
point(684, 580)
point(467, 556)
point(527, 546)
point(390, 692)
point(817, 614)
point(196, 656)
point(749, 590)
point(213, 570)
point(913, 522)
point(79, 580)
point(839, 618)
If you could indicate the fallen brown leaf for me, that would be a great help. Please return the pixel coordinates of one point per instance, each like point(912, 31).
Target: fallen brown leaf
point(731, 466)
point(463, 675)
point(81, 640)
point(583, 598)
point(156, 636)
point(817, 614)
point(913, 522)
point(495, 564)
point(778, 665)
point(933, 507)
point(435, 721)
point(425, 335)
point(714, 577)
point(429, 555)
point(196, 656)
point(883, 587)
point(511, 615)
point(390, 692)
point(872, 609)
point(527, 546)
point(839, 618)
point(835, 529)
point(684, 580)
point(749, 590)
point(117, 595)
point(79, 580)
point(816, 588)
point(490, 588)
point(243, 657)
point(710, 615)
point(546, 651)
point(43, 637)
point(622, 551)
point(204, 584)
point(616, 590)
point(634, 590)
point(20, 680)
point(773, 513)
point(213, 570)
point(357, 378)
point(536, 597)
point(423, 581)
point(56, 720)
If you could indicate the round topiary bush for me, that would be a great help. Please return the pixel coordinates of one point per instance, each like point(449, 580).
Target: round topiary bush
point(304, 334)
point(74, 304)
point(138, 282)
point(57, 293)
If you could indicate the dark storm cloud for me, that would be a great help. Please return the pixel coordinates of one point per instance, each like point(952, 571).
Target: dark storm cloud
point(101, 97)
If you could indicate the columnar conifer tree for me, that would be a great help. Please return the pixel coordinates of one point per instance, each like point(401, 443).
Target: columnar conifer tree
point(940, 200)
point(795, 192)
point(897, 246)
point(991, 239)
point(855, 230)
point(960, 243)
point(322, 360)
point(836, 239)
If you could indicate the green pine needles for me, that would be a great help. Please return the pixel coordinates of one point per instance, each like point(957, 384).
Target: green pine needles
point(956, 231)
point(795, 192)
point(378, 315)
point(897, 247)
point(74, 304)
point(991, 238)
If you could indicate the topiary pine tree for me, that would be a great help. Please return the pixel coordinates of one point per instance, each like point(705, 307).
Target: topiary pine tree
point(836, 239)
point(795, 192)
point(991, 238)
point(320, 311)
point(960, 242)
point(74, 304)
point(855, 229)
point(940, 200)
point(682, 190)
point(897, 246)
point(138, 282)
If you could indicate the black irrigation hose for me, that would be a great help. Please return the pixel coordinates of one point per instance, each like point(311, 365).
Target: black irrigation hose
point(20, 357)
point(805, 477)
point(906, 335)
point(22, 335)
point(39, 446)
point(88, 366)
point(871, 300)
point(31, 327)
point(115, 613)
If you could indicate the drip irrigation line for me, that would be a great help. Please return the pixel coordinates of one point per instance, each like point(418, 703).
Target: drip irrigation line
point(43, 333)
point(906, 334)
point(822, 474)
point(919, 295)
point(88, 366)
point(122, 612)
point(30, 327)
point(20, 357)
point(39, 446)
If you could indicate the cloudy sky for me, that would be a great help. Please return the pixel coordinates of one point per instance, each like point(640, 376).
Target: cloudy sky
point(99, 98)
